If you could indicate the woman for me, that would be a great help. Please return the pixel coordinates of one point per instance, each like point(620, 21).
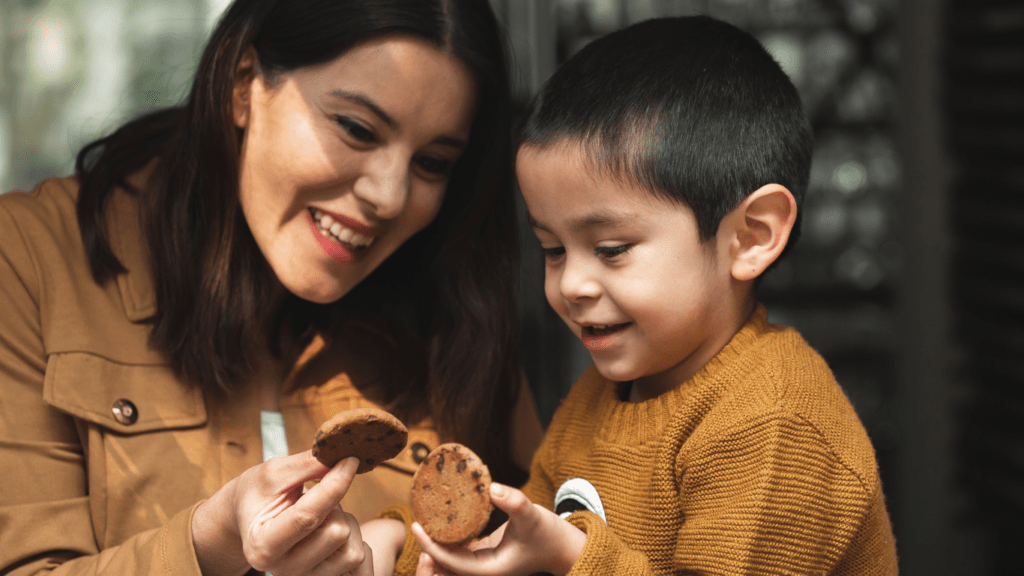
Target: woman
point(327, 222)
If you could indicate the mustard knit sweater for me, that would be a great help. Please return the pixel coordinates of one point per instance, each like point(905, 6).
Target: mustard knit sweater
point(758, 464)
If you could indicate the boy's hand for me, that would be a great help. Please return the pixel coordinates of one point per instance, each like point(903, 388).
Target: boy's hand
point(385, 538)
point(533, 540)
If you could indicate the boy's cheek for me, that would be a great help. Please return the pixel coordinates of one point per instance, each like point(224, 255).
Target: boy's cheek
point(554, 297)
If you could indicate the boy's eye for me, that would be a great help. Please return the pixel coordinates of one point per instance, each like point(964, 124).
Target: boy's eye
point(611, 251)
point(553, 253)
point(433, 165)
point(355, 129)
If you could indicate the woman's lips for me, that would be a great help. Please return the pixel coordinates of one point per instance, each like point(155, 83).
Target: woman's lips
point(356, 226)
point(339, 252)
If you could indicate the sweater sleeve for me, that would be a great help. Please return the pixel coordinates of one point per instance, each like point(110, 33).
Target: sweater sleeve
point(45, 517)
point(604, 552)
point(771, 496)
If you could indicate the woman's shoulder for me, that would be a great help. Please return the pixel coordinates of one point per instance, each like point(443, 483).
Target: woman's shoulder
point(42, 253)
point(40, 225)
point(52, 200)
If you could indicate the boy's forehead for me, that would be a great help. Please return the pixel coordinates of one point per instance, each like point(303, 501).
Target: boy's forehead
point(563, 160)
point(562, 186)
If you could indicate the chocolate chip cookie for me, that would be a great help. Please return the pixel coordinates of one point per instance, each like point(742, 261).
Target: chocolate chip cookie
point(369, 434)
point(451, 494)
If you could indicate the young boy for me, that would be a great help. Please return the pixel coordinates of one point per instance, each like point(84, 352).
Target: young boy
point(663, 167)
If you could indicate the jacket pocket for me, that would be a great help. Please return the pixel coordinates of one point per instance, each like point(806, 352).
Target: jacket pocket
point(125, 398)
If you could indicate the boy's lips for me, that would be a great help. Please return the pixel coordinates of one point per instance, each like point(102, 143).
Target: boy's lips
point(600, 336)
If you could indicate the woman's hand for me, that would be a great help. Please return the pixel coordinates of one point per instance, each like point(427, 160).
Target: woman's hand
point(533, 540)
point(264, 520)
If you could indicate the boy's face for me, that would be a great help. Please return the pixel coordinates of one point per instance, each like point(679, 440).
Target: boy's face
point(626, 271)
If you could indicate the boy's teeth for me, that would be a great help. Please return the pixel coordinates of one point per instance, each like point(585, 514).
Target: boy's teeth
point(605, 329)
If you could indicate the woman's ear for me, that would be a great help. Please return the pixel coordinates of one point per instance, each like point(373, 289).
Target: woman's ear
point(241, 97)
point(759, 230)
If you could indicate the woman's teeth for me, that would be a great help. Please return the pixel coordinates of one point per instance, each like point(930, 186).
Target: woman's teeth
point(338, 232)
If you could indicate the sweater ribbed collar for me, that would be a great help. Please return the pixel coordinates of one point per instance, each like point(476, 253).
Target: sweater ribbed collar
point(638, 423)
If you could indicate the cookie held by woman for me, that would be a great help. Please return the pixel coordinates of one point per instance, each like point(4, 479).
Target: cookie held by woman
point(369, 434)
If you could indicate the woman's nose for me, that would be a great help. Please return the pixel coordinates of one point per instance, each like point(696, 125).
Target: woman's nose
point(384, 184)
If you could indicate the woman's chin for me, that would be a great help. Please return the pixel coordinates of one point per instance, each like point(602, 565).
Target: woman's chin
point(318, 293)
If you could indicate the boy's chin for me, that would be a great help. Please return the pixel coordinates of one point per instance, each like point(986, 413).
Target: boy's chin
point(615, 373)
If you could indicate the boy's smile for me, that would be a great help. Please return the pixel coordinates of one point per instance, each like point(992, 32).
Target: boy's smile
point(626, 271)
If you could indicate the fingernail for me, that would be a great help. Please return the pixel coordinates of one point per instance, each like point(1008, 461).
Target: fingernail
point(498, 490)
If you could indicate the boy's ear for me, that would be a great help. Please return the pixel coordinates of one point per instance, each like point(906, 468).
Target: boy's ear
point(759, 230)
point(241, 94)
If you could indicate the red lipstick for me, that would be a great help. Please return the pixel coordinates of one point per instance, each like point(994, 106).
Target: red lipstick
point(336, 251)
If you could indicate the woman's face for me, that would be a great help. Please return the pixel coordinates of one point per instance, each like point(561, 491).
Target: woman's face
point(342, 162)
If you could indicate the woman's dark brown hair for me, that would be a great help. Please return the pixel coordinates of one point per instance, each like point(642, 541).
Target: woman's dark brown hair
point(445, 298)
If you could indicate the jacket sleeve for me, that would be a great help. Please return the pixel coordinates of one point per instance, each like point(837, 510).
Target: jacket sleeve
point(45, 516)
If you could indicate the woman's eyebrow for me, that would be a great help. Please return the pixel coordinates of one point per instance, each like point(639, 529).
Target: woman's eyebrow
point(368, 103)
point(364, 100)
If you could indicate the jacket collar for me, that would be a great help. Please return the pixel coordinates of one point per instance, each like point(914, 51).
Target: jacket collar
point(128, 244)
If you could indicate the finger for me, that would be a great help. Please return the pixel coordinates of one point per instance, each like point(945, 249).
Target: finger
point(335, 548)
point(425, 565)
point(512, 501)
point(292, 471)
point(366, 568)
point(309, 512)
point(457, 559)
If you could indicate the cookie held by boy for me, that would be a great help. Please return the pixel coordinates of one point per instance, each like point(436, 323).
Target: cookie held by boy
point(369, 434)
point(451, 494)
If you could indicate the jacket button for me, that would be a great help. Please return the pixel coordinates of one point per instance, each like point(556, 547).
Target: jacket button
point(419, 451)
point(125, 412)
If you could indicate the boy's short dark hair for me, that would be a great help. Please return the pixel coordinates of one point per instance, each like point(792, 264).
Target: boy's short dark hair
point(691, 108)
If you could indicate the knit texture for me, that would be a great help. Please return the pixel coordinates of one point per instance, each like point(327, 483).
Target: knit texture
point(758, 464)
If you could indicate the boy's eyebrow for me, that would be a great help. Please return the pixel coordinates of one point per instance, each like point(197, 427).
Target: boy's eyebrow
point(592, 220)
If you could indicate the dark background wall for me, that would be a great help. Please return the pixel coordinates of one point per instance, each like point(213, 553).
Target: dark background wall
point(908, 277)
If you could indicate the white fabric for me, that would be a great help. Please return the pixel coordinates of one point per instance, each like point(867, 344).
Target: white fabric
point(583, 492)
point(274, 441)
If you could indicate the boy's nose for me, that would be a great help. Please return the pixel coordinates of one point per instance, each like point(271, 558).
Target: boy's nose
point(384, 184)
point(576, 283)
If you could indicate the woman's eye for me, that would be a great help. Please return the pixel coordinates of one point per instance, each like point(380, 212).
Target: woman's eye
point(355, 129)
point(432, 165)
point(553, 253)
point(611, 251)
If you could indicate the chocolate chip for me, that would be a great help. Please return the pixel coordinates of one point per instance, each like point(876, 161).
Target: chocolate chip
point(440, 462)
point(460, 467)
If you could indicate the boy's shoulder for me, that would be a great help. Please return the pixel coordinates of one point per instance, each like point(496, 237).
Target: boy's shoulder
point(786, 382)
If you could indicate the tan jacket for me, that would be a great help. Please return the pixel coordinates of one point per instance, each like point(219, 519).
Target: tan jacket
point(104, 453)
